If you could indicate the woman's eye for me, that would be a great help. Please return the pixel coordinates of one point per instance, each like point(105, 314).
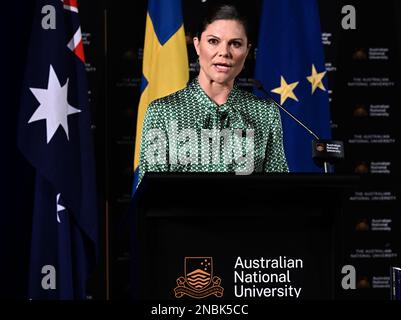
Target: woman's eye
point(237, 44)
point(213, 41)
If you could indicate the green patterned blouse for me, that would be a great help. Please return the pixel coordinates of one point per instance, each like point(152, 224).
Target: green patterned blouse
point(188, 132)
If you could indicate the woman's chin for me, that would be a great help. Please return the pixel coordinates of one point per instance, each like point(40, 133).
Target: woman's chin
point(222, 79)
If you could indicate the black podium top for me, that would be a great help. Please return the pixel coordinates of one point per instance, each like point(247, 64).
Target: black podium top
point(223, 193)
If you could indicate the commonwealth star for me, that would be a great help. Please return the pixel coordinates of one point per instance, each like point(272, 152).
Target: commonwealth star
point(54, 107)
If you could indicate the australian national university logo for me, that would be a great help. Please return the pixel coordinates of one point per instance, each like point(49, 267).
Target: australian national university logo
point(198, 281)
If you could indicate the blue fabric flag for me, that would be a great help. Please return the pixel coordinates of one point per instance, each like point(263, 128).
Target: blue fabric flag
point(55, 137)
point(165, 61)
point(290, 65)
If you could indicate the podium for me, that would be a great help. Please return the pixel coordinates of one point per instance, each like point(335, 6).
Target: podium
point(262, 236)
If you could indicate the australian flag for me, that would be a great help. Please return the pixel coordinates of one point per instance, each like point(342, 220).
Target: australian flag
point(54, 134)
point(290, 65)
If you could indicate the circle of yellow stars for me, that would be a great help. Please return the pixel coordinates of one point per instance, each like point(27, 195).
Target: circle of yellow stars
point(286, 90)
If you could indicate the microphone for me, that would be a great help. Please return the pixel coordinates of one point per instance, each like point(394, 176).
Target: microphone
point(323, 151)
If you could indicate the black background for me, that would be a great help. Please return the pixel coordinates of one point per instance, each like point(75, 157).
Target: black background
point(114, 34)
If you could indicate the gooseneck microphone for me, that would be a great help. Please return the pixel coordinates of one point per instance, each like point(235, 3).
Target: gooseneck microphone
point(258, 85)
point(323, 151)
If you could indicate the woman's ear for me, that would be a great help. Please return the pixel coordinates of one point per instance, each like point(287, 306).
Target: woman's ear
point(196, 44)
point(248, 49)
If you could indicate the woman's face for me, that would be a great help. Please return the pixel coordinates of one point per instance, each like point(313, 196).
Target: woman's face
point(222, 50)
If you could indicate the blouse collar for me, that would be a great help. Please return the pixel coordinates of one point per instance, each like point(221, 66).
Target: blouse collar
point(227, 114)
point(230, 103)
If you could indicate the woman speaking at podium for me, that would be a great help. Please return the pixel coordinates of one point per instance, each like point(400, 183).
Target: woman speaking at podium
point(211, 125)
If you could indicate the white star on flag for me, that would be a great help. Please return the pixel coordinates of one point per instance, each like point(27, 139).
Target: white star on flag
point(54, 107)
point(59, 207)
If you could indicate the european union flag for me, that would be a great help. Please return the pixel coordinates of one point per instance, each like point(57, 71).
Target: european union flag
point(165, 60)
point(290, 64)
point(54, 135)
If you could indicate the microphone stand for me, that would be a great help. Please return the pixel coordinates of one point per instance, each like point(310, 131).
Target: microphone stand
point(258, 85)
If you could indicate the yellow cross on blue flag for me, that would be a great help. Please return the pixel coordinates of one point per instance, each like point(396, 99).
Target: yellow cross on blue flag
point(165, 60)
point(290, 65)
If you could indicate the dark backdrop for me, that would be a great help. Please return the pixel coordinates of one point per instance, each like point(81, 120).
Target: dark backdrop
point(364, 77)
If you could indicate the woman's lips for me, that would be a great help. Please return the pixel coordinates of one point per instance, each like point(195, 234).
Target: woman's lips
point(222, 67)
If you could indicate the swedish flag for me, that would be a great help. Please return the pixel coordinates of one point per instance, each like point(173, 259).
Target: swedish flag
point(290, 64)
point(165, 60)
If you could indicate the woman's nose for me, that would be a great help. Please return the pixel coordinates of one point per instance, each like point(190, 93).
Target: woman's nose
point(224, 50)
